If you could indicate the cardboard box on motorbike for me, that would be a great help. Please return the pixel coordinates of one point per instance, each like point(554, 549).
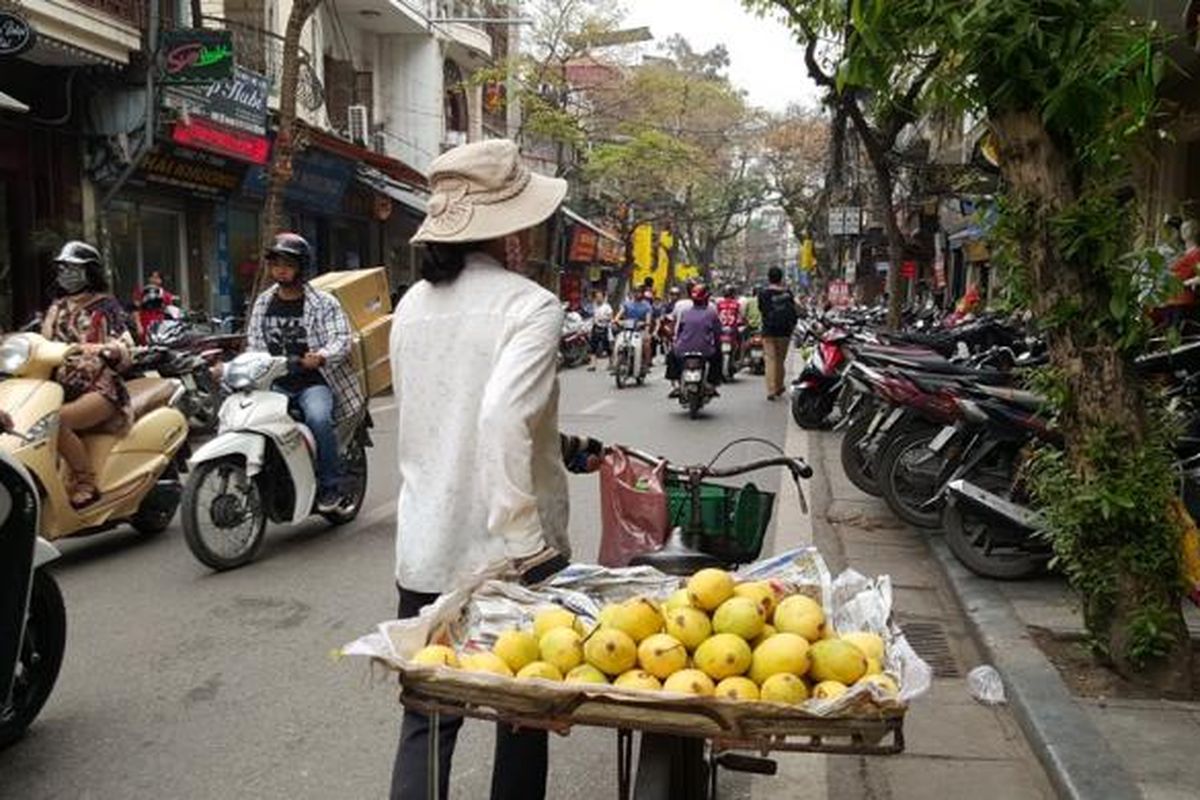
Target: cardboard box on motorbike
point(366, 298)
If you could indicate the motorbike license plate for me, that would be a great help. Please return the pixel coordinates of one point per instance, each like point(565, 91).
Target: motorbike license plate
point(726, 347)
point(944, 436)
point(693, 375)
point(756, 353)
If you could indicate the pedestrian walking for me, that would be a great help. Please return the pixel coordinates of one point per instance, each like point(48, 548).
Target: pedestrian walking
point(777, 305)
point(474, 351)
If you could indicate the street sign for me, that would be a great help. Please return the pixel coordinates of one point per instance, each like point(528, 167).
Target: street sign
point(844, 220)
point(839, 294)
point(16, 34)
point(196, 55)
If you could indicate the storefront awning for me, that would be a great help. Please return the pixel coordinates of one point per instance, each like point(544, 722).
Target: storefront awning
point(393, 168)
point(404, 194)
point(577, 218)
point(10, 103)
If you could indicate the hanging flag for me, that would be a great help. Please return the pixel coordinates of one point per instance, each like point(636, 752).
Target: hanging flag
point(808, 255)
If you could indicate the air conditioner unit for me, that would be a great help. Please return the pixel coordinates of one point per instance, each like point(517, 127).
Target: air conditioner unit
point(379, 142)
point(359, 119)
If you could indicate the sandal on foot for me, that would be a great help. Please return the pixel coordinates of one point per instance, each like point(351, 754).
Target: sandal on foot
point(83, 496)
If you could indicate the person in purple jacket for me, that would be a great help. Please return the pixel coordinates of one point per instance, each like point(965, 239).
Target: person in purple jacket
point(698, 330)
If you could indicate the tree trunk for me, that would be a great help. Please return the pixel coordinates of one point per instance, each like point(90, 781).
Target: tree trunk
point(279, 172)
point(895, 240)
point(197, 14)
point(1101, 394)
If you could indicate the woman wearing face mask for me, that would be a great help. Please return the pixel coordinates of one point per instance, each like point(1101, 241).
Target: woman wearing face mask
point(94, 393)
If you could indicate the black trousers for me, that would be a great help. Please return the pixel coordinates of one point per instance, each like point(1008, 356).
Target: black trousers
point(518, 765)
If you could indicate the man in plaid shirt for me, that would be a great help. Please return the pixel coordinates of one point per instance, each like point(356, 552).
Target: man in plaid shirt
point(309, 326)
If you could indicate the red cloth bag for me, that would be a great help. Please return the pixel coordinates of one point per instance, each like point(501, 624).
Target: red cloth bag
point(633, 508)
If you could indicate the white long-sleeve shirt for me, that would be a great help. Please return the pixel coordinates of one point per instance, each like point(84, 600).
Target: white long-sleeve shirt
point(481, 475)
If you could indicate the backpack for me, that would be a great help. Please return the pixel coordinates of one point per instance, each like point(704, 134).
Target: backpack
point(778, 308)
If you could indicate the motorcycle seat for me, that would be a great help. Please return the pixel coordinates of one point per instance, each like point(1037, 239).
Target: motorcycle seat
point(1031, 401)
point(148, 394)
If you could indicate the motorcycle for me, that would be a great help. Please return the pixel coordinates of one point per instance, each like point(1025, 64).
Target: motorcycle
point(261, 465)
point(137, 471)
point(169, 355)
point(731, 351)
point(33, 620)
point(694, 391)
point(753, 358)
point(629, 354)
point(573, 346)
point(815, 392)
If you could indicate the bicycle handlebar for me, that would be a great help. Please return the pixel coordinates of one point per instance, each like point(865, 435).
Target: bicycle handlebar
point(796, 465)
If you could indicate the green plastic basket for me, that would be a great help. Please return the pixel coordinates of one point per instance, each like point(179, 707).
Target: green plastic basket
point(734, 518)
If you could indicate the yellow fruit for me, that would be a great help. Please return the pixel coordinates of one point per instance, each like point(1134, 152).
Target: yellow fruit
point(828, 632)
point(540, 669)
point(708, 588)
point(611, 651)
point(638, 616)
point(486, 661)
point(836, 660)
point(828, 690)
point(550, 618)
point(637, 679)
point(586, 673)
point(689, 625)
point(723, 655)
point(801, 615)
point(662, 654)
point(737, 688)
point(782, 653)
point(562, 647)
point(761, 593)
point(871, 644)
point(740, 616)
point(885, 682)
point(784, 688)
point(873, 666)
point(436, 655)
point(689, 681)
point(606, 614)
point(678, 599)
point(517, 648)
point(767, 632)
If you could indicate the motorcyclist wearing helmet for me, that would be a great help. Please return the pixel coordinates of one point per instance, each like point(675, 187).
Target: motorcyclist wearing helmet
point(296, 320)
point(94, 394)
point(150, 304)
point(698, 330)
point(729, 309)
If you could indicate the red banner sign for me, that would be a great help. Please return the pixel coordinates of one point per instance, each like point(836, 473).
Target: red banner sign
point(204, 135)
point(908, 269)
point(583, 245)
point(839, 293)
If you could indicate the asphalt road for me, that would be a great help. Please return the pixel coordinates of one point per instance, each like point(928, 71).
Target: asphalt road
point(181, 683)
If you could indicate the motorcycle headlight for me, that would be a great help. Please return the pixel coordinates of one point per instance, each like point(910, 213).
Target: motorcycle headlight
point(14, 354)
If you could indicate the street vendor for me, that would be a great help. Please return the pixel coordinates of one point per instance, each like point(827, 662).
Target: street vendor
point(474, 353)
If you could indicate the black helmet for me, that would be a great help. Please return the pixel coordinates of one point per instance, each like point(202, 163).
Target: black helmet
point(292, 246)
point(77, 252)
point(730, 290)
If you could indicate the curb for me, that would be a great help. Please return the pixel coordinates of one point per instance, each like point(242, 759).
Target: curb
point(1076, 757)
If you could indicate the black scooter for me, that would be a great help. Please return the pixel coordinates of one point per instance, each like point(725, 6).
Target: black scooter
point(33, 621)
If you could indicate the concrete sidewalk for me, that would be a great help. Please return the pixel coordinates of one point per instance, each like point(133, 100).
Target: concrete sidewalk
point(955, 747)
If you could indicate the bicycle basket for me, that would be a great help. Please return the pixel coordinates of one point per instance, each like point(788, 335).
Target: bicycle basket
point(734, 519)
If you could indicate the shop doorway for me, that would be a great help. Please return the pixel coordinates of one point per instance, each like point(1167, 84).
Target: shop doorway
point(145, 238)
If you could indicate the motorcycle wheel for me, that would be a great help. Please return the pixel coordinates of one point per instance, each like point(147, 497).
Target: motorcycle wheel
point(855, 463)
point(908, 476)
point(810, 409)
point(729, 369)
point(158, 507)
point(695, 402)
point(624, 368)
point(355, 484)
point(41, 657)
point(224, 517)
point(973, 540)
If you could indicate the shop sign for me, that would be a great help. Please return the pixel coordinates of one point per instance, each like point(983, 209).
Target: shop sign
point(318, 181)
point(839, 294)
point(16, 34)
point(610, 251)
point(583, 245)
point(204, 135)
point(844, 220)
point(196, 55)
point(238, 102)
point(908, 269)
point(190, 170)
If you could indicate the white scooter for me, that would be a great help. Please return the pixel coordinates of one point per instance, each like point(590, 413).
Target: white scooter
point(260, 465)
point(628, 361)
point(33, 621)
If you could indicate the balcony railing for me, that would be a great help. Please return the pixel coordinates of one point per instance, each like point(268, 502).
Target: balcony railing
point(262, 51)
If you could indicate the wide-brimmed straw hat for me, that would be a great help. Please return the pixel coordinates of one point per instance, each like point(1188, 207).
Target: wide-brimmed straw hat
point(483, 191)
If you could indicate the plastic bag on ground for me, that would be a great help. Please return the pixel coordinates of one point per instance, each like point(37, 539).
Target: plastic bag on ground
point(985, 685)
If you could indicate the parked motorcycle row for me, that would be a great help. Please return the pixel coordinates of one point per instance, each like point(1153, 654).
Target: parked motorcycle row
point(937, 424)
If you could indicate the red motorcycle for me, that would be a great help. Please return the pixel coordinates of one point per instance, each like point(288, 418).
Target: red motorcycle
point(816, 391)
